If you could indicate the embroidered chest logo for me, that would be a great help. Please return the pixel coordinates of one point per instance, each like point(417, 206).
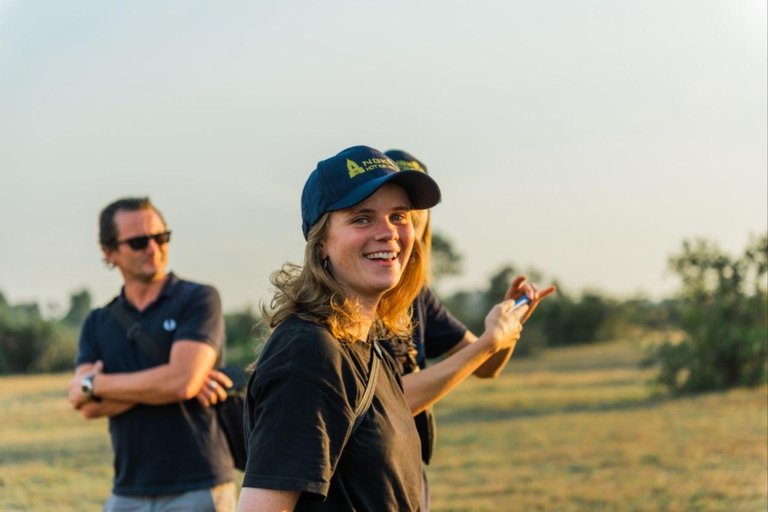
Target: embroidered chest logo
point(169, 324)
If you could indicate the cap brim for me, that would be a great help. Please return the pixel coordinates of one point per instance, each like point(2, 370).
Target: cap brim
point(420, 187)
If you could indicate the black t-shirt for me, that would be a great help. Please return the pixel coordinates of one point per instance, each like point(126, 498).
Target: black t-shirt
point(435, 332)
point(299, 414)
point(162, 449)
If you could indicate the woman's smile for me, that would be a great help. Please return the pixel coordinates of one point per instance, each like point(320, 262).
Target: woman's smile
point(367, 246)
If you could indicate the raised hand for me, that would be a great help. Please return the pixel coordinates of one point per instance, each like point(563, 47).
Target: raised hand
point(520, 288)
point(503, 324)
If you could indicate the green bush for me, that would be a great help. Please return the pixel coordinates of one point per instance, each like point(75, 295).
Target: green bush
point(245, 330)
point(35, 346)
point(724, 313)
point(29, 343)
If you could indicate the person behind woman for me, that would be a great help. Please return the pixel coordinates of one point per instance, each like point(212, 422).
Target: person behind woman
point(362, 269)
point(437, 333)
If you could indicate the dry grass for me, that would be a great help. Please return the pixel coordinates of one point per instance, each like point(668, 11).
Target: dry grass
point(578, 429)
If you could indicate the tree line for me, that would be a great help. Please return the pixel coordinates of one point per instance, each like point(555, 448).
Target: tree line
point(721, 310)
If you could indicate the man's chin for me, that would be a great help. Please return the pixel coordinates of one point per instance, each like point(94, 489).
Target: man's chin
point(151, 276)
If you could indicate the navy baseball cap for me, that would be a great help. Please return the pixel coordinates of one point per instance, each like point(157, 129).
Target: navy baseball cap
point(406, 161)
point(354, 175)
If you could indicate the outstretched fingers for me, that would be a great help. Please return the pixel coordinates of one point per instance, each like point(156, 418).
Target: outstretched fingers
point(540, 294)
point(514, 292)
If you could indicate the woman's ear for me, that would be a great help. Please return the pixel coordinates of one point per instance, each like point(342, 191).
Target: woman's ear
point(323, 253)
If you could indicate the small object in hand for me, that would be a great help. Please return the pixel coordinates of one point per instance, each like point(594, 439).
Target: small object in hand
point(524, 300)
point(212, 384)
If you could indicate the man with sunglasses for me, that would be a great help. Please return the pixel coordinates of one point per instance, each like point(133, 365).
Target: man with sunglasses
point(146, 361)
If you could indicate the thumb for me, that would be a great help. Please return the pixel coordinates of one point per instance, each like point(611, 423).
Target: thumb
point(98, 367)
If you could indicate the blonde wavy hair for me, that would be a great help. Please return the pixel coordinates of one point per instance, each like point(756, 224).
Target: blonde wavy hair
point(311, 292)
point(426, 240)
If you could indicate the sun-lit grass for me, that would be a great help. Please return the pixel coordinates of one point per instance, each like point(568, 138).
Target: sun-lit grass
point(580, 429)
point(577, 429)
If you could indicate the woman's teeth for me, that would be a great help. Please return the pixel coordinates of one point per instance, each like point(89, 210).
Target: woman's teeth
point(381, 256)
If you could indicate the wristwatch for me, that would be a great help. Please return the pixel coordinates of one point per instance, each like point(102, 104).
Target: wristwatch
point(86, 385)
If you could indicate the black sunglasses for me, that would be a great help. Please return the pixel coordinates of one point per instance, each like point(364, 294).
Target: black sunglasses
point(139, 243)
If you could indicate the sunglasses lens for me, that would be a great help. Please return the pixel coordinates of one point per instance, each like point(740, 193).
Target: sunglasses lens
point(163, 238)
point(138, 243)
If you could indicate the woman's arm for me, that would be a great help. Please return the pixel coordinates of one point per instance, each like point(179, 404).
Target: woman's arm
point(267, 500)
point(502, 330)
point(484, 357)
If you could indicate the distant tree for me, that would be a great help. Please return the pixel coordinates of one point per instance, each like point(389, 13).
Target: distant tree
point(445, 259)
point(725, 315)
point(498, 286)
point(244, 330)
point(30, 343)
point(23, 344)
point(469, 308)
point(79, 307)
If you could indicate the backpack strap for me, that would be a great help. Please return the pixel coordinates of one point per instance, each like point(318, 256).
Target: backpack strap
point(133, 329)
point(370, 388)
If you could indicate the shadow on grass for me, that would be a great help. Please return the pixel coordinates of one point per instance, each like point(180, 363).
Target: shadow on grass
point(577, 367)
point(477, 414)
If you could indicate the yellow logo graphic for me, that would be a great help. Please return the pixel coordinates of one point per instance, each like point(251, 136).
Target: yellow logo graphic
point(369, 165)
point(405, 165)
point(354, 169)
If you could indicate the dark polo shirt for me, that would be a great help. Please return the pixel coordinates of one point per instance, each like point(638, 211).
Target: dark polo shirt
point(162, 449)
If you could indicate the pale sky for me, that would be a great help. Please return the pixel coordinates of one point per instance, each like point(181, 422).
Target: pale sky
point(587, 139)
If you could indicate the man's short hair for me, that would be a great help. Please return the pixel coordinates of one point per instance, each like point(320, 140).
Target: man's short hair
point(108, 228)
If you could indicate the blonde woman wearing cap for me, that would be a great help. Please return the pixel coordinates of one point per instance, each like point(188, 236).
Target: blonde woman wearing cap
point(438, 334)
point(311, 446)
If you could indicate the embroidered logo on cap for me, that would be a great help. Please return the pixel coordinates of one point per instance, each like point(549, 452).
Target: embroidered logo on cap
point(169, 324)
point(405, 165)
point(354, 169)
point(369, 165)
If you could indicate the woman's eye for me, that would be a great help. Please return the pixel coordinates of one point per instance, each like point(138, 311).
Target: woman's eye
point(360, 220)
point(399, 217)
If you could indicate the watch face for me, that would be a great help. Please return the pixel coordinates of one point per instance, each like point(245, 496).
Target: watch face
point(87, 386)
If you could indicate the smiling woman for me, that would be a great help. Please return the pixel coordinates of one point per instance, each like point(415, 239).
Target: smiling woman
point(328, 425)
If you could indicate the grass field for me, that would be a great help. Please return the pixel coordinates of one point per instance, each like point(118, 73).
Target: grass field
point(577, 429)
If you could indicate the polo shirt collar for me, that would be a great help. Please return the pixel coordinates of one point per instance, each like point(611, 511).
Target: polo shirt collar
point(170, 284)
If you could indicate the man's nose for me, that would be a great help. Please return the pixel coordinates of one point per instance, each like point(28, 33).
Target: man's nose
point(152, 246)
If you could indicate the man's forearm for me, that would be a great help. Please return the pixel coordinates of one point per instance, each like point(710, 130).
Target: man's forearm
point(180, 379)
point(492, 366)
point(156, 386)
point(104, 408)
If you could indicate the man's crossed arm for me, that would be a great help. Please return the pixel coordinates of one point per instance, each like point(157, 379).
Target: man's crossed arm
point(188, 374)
